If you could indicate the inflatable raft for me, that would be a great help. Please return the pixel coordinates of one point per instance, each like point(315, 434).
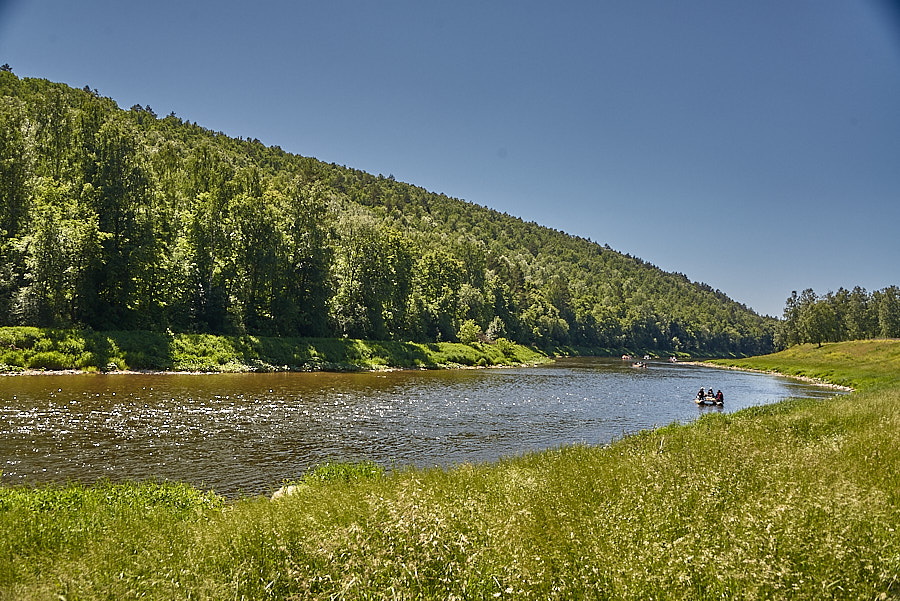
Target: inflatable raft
point(707, 400)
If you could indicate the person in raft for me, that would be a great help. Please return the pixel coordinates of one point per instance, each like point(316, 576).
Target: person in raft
point(710, 393)
point(720, 398)
point(701, 394)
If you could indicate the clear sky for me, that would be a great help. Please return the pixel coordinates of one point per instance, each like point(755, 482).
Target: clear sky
point(753, 146)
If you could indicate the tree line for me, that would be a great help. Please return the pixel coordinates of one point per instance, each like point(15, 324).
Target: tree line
point(122, 219)
point(840, 316)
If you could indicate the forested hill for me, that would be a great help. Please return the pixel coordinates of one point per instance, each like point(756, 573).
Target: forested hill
point(122, 219)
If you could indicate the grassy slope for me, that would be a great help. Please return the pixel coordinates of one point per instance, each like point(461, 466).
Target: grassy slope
point(55, 349)
point(796, 500)
point(860, 364)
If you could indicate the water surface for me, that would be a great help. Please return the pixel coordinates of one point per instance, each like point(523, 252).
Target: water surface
point(245, 433)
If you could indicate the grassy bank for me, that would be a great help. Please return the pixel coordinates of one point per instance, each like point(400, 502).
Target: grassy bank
point(23, 348)
point(861, 364)
point(799, 500)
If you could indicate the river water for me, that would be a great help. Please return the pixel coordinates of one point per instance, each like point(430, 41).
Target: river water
point(245, 433)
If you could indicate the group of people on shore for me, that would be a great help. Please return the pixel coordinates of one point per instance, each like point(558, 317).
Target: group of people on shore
point(704, 395)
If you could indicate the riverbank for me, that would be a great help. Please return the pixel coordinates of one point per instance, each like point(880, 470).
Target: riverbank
point(798, 500)
point(860, 364)
point(26, 350)
point(32, 351)
point(730, 364)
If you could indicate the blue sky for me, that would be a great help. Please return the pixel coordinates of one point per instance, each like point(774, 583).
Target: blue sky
point(753, 146)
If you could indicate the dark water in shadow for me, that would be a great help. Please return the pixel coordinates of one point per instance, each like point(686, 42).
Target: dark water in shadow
point(244, 433)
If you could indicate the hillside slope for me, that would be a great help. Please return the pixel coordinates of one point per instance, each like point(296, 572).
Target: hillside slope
point(121, 219)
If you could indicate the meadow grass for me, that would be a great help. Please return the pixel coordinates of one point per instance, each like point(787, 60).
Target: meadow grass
point(860, 364)
point(797, 500)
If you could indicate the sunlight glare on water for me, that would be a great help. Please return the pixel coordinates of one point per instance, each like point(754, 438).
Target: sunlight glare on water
point(245, 433)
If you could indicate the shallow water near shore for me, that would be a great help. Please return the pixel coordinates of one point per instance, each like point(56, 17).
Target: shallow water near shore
point(245, 433)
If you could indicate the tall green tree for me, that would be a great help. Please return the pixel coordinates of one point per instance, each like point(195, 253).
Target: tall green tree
point(15, 167)
point(60, 250)
point(117, 193)
point(858, 322)
point(256, 245)
point(55, 133)
point(302, 305)
point(436, 303)
point(888, 302)
point(363, 277)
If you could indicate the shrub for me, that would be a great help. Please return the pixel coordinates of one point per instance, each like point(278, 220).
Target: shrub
point(71, 346)
point(86, 360)
point(50, 360)
point(43, 345)
point(506, 347)
point(13, 358)
point(469, 332)
point(496, 329)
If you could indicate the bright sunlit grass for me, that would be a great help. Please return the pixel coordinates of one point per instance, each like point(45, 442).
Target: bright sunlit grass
point(860, 364)
point(798, 500)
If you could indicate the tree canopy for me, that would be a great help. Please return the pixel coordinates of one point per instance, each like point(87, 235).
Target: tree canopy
point(113, 218)
point(840, 316)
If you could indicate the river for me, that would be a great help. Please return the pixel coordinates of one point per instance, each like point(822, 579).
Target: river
point(242, 434)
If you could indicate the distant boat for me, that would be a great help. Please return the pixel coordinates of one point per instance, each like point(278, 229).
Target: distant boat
point(639, 364)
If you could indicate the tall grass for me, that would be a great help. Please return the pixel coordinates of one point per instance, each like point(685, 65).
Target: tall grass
point(799, 500)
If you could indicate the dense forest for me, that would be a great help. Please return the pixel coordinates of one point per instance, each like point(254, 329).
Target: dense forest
point(122, 219)
point(840, 316)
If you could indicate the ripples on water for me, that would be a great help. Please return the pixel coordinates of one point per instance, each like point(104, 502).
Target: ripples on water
point(244, 433)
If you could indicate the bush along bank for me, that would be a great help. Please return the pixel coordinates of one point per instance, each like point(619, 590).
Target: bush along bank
point(30, 349)
point(27, 348)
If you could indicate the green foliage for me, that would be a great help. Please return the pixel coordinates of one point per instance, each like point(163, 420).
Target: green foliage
point(121, 220)
point(73, 497)
point(836, 317)
point(469, 332)
point(86, 528)
point(56, 349)
point(50, 360)
point(506, 348)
